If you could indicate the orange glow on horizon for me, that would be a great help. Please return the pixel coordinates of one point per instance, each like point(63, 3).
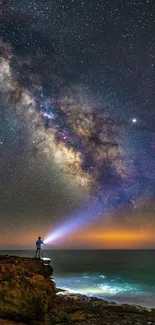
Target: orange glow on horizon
point(121, 236)
point(87, 238)
point(113, 239)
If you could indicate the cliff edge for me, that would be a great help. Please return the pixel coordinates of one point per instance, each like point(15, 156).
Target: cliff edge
point(28, 295)
point(26, 289)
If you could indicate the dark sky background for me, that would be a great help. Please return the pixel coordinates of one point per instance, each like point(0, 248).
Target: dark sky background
point(77, 114)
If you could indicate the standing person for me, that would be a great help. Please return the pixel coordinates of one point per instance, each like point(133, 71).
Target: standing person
point(39, 242)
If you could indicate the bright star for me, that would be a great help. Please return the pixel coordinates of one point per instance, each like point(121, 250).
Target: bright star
point(134, 120)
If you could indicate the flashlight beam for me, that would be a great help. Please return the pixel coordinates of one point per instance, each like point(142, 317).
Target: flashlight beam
point(94, 210)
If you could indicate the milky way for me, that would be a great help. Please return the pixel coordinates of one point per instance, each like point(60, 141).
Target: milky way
point(82, 140)
point(74, 99)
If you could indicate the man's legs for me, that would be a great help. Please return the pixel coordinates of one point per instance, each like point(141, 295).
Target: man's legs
point(36, 252)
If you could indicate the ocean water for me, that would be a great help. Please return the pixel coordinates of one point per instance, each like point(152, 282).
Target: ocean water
point(119, 276)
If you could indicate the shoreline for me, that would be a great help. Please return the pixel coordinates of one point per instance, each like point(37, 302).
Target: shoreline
point(30, 297)
point(112, 300)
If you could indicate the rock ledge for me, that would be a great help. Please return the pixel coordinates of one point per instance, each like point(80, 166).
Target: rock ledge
point(28, 295)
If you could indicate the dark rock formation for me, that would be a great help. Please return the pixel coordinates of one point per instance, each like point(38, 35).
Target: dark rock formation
point(77, 309)
point(28, 296)
point(26, 266)
point(26, 290)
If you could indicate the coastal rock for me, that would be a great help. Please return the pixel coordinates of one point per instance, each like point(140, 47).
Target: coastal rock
point(28, 296)
point(26, 290)
point(9, 322)
point(25, 265)
point(78, 309)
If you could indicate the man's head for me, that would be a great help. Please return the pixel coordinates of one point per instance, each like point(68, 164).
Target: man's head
point(39, 237)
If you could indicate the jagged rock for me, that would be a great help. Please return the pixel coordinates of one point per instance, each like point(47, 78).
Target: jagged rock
point(9, 322)
point(28, 296)
point(25, 265)
point(25, 290)
point(78, 309)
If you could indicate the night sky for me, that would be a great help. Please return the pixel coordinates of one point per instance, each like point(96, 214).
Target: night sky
point(77, 116)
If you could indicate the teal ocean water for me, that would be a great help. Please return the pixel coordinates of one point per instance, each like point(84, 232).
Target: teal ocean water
point(120, 276)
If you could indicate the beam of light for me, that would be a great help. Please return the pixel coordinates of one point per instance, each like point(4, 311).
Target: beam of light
point(99, 209)
point(76, 221)
point(83, 217)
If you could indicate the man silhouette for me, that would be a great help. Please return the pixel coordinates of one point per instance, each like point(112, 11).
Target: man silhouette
point(39, 242)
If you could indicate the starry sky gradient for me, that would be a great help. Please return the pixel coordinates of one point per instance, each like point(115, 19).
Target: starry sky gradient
point(73, 77)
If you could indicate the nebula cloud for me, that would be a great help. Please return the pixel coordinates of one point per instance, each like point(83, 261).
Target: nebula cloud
point(81, 140)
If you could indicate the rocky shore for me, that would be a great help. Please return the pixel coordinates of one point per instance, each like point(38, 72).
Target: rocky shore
point(28, 295)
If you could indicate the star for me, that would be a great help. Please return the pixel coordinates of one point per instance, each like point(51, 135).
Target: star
point(134, 120)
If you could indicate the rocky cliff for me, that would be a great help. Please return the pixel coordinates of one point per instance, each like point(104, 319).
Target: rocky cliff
point(26, 289)
point(28, 295)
